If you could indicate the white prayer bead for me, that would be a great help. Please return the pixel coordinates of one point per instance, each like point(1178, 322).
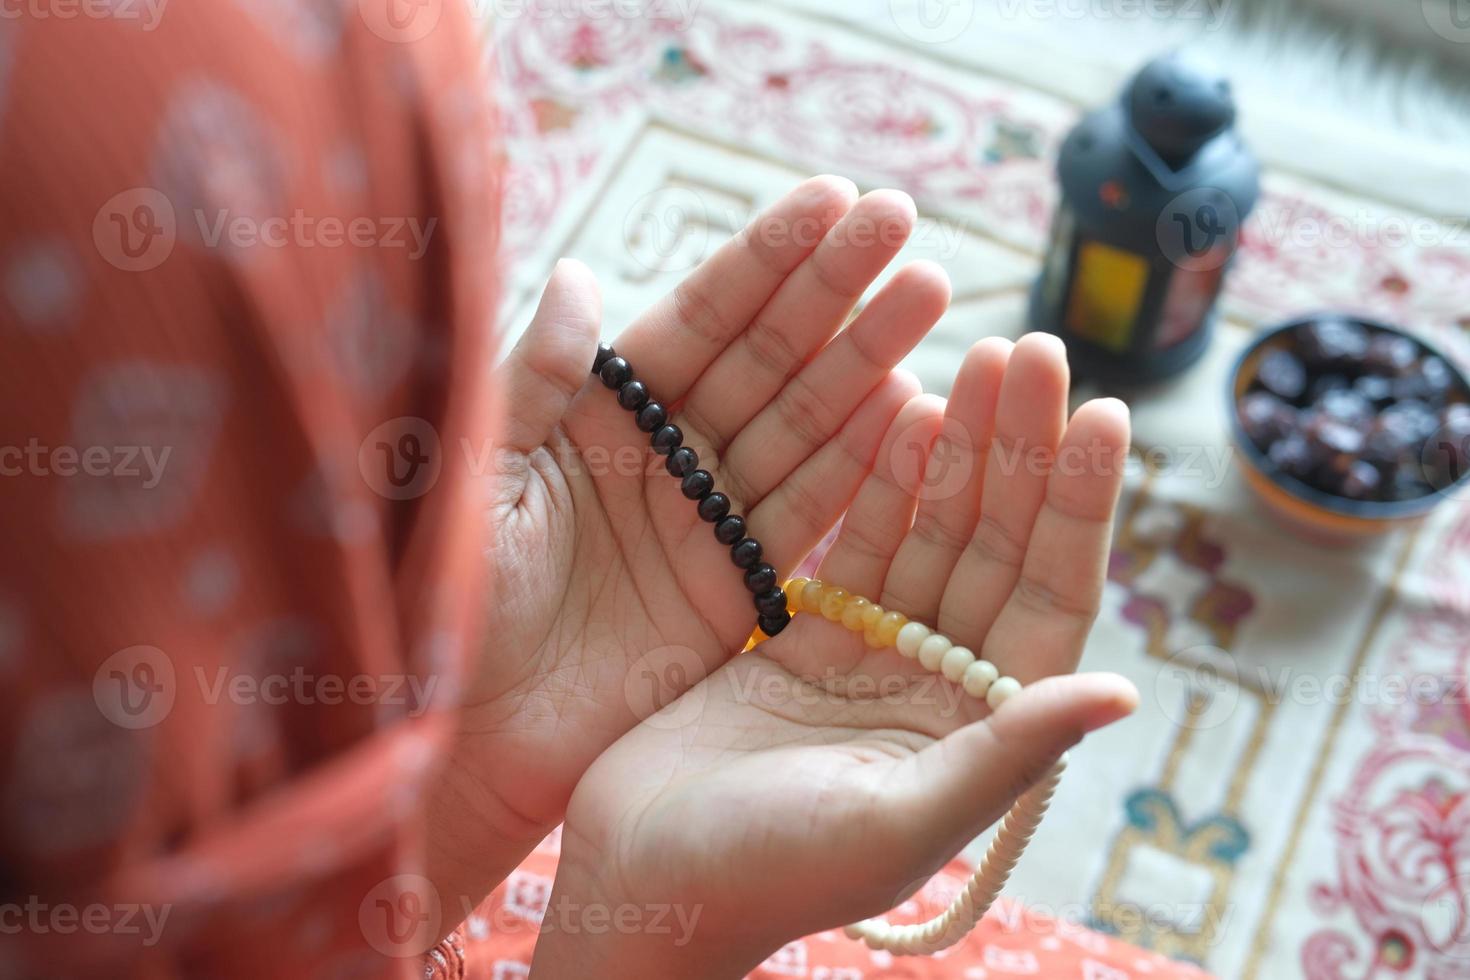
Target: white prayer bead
point(1002, 690)
point(955, 662)
point(932, 651)
point(911, 637)
point(978, 678)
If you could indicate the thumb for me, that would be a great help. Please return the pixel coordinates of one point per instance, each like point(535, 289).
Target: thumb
point(550, 363)
point(967, 780)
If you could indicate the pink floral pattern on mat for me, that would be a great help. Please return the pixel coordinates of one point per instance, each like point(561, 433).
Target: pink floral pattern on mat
point(1401, 827)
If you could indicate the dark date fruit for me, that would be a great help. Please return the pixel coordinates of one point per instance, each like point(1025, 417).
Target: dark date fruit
point(1327, 384)
point(1359, 412)
point(1330, 437)
point(1266, 418)
point(1386, 445)
point(1391, 354)
point(1408, 483)
point(1283, 374)
point(1292, 456)
point(1345, 405)
point(1430, 381)
point(1376, 388)
point(1332, 342)
point(1438, 380)
point(1415, 419)
point(1361, 481)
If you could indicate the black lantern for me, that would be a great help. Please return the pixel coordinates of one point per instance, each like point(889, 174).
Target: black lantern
point(1154, 190)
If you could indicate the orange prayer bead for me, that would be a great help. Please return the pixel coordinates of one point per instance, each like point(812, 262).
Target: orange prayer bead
point(852, 615)
point(888, 627)
point(834, 600)
point(811, 597)
point(793, 594)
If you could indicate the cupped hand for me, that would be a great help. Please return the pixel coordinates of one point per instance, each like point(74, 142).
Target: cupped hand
point(815, 781)
point(596, 557)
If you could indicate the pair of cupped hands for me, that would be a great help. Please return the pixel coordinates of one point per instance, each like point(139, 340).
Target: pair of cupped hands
point(812, 781)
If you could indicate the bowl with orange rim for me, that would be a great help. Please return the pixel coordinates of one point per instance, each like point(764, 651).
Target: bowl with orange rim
point(1349, 428)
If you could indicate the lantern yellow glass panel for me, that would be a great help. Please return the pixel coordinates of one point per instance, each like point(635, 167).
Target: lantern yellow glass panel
point(1106, 295)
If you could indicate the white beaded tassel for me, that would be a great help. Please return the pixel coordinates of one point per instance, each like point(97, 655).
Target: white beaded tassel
point(970, 906)
point(983, 681)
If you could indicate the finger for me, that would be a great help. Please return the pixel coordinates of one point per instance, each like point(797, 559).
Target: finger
point(949, 504)
point(680, 336)
point(1045, 621)
point(883, 509)
point(1029, 419)
point(950, 791)
point(549, 365)
point(806, 311)
point(817, 401)
point(796, 515)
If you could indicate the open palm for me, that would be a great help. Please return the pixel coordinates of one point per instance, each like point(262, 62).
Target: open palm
point(597, 558)
point(815, 781)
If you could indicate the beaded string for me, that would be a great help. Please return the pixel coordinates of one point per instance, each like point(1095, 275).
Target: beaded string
point(881, 628)
point(980, 679)
point(697, 485)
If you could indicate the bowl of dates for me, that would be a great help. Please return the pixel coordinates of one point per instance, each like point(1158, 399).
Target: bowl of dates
point(1348, 427)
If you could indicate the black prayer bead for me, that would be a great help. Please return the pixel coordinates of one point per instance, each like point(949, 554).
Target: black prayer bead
point(761, 578)
point(714, 507)
point(682, 462)
point(730, 530)
point(698, 485)
point(666, 439)
point(771, 625)
point(605, 353)
point(633, 395)
point(745, 553)
point(772, 603)
point(652, 417)
point(616, 373)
